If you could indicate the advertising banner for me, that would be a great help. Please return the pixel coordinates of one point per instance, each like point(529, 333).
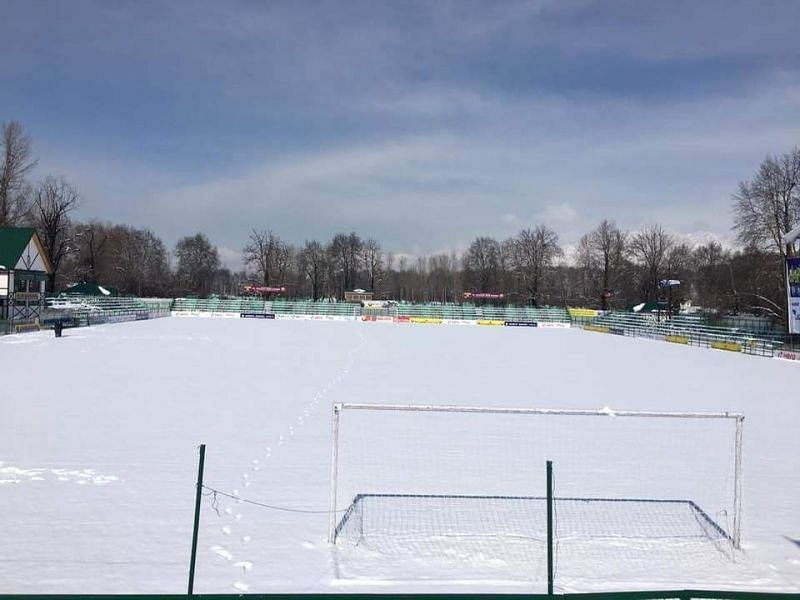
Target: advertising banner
point(793, 293)
point(521, 324)
point(426, 320)
point(458, 322)
point(27, 296)
point(729, 346)
point(262, 290)
point(582, 312)
point(483, 296)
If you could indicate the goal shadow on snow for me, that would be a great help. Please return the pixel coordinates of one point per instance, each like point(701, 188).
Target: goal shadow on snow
point(793, 541)
point(482, 538)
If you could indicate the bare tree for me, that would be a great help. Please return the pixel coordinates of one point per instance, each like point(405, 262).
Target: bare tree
point(679, 261)
point(140, 259)
point(443, 277)
point(482, 264)
point(534, 253)
point(768, 206)
point(392, 277)
point(711, 265)
point(372, 259)
point(508, 278)
point(650, 248)
point(315, 266)
point(198, 262)
point(53, 201)
point(91, 238)
point(607, 242)
point(754, 285)
point(17, 162)
point(345, 255)
point(269, 255)
point(587, 264)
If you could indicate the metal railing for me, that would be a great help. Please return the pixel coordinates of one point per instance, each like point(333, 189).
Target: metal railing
point(683, 333)
point(323, 308)
point(87, 311)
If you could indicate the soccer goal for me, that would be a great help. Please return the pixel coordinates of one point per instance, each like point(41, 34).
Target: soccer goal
point(466, 481)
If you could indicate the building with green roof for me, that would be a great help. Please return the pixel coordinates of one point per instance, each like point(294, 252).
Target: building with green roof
point(24, 267)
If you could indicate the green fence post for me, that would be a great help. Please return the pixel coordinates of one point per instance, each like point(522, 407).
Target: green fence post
point(549, 528)
point(198, 496)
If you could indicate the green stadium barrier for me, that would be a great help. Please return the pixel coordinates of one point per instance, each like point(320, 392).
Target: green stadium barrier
point(687, 594)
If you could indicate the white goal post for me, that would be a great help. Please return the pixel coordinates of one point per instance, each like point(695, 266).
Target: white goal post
point(572, 429)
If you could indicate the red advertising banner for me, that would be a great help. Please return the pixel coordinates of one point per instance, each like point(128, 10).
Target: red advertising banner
point(261, 290)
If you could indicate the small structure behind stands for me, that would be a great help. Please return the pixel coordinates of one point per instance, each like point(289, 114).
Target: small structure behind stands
point(24, 267)
point(358, 296)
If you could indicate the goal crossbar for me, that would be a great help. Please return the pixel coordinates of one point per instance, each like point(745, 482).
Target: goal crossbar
point(603, 412)
point(338, 408)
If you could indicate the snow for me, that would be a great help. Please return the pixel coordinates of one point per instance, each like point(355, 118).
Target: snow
point(99, 457)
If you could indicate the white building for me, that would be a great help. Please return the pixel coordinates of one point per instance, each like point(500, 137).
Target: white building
point(24, 268)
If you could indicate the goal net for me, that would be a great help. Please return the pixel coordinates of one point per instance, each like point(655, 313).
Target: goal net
point(467, 484)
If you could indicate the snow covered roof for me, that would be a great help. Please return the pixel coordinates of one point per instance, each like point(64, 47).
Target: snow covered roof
point(89, 289)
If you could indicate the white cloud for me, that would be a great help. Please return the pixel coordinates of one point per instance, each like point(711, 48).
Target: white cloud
point(570, 255)
point(700, 238)
point(505, 165)
point(556, 215)
point(230, 258)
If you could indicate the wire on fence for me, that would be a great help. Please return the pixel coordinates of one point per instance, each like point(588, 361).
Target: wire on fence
point(215, 492)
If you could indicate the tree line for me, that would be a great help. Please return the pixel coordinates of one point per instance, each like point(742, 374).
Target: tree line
point(609, 268)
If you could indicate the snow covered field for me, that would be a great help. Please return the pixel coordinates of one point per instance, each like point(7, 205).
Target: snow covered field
point(99, 433)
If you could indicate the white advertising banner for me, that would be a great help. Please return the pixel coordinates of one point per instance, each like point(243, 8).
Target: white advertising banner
point(793, 293)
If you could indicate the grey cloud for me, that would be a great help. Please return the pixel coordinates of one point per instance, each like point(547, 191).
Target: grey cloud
point(420, 124)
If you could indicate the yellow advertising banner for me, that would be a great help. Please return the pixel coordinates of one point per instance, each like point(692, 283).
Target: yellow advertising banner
point(582, 312)
point(729, 346)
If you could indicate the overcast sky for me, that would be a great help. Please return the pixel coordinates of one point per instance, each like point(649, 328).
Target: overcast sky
point(422, 124)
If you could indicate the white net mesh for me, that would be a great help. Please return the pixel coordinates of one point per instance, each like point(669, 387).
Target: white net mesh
point(469, 487)
point(384, 521)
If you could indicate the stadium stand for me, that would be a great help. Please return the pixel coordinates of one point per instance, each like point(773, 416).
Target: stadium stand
point(685, 329)
point(90, 310)
point(690, 329)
